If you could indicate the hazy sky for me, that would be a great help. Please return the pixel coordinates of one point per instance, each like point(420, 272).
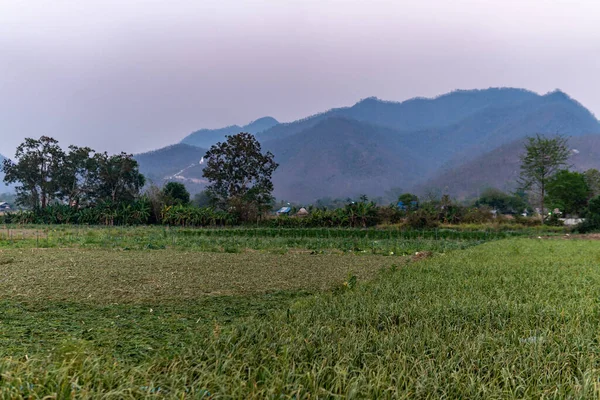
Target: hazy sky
point(135, 75)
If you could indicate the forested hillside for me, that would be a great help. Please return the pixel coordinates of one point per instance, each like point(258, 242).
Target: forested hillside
point(449, 142)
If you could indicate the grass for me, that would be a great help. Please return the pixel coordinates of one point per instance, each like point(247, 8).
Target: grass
point(513, 318)
point(158, 277)
point(274, 240)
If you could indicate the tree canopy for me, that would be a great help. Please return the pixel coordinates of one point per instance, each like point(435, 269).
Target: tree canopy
point(543, 158)
point(568, 191)
point(176, 193)
point(240, 175)
point(45, 174)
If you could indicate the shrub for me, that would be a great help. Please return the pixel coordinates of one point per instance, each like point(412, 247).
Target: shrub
point(422, 218)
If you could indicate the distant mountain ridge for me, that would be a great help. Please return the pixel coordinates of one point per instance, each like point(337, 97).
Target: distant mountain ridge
point(207, 137)
point(3, 186)
point(500, 168)
point(375, 145)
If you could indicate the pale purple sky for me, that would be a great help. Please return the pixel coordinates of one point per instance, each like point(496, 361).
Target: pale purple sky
point(135, 75)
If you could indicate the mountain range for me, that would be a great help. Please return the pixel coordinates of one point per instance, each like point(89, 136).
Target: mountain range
point(3, 187)
point(458, 143)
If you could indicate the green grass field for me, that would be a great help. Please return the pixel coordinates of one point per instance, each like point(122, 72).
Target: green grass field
point(509, 318)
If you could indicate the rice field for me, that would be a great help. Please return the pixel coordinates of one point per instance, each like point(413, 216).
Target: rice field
point(96, 313)
point(275, 240)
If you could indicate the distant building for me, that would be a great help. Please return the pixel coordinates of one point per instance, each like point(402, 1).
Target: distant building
point(302, 212)
point(284, 211)
point(413, 205)
point(4, 206)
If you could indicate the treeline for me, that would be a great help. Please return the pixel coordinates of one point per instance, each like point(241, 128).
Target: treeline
point(82, 186)
point(138, 212)
point(408, 211)
point(47, 175)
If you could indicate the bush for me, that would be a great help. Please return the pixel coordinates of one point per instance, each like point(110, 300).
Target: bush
point(422, 218)
point(477, 215)
point(592, 217)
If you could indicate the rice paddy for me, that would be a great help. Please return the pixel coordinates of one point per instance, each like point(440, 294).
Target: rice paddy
point(88, 313)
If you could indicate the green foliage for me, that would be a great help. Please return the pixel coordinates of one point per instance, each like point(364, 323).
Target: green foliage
point(508, 319)
point(180, 215)
point(502, 202)
point(119, 178)
point(423, 218)
point(47, 175)
point(592, 217)
point(592, 179)
point(543, 158)
point(240, 176)
point(176, 194)
point(202, 199)
point(408, 199)
point(36, 172)
point(568, 191)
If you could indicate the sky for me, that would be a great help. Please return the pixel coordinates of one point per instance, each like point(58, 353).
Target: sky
point(136, 75)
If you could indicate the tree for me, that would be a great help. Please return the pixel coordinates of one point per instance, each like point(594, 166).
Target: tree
point(592, 178)
point(119, 176)
point(543, 158)
point(176, 194)
point(240, 175)
point(409, 200)
point(39, 164)
point(568, 191)
point(79, 179)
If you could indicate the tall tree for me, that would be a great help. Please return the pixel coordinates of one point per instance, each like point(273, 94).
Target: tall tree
point(240, 175)
point(119, 176)
point(79, 180)
point(543, 158)
point(37, 168)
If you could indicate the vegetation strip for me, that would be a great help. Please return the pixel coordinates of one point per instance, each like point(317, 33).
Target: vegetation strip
point(508, 319)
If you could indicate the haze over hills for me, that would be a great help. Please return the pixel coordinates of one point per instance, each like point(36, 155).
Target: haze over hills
point(208, 137)
point(341, 156)
point(374, 145)
point(3, 187)
point(500, 168)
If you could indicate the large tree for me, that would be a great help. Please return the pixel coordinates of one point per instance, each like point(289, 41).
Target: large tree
point(542, 159)
point(79, 180)
point(119, 177)
point(240, 175)
point(568, 191)
point(44, 173)
point(37, 171)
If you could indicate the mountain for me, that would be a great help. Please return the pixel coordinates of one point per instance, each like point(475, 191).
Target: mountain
point(340, 157)
point(464, 140)
point(207, 137)
point(414, 114)
point(554, 113)
point(175, 162)
point(3, 187)
point(500, 168)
